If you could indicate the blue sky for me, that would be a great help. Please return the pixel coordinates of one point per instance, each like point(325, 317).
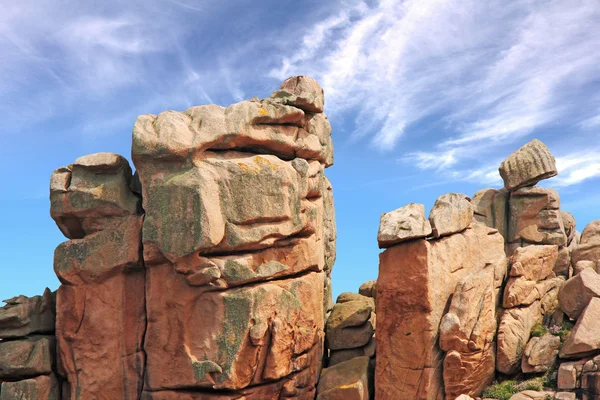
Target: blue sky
point(424, 96)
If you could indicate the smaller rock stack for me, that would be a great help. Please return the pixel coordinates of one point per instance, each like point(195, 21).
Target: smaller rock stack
point(28, 348)
point(350, 337)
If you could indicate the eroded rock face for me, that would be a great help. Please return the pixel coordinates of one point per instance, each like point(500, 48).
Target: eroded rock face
point(540, 353)
point(100, 305)
point(28, 357)
point(239, 243)
point(527, 166)
point(535, 217)
point(416, 280)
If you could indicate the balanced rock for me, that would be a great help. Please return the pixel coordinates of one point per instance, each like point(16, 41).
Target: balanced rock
point(577, 292)
point(338, 356)
point(403, 224)
point(350, 379)
point(451, 213)
point(540, 353)
point(22, 316)
point(350, 325)
point(302, 92)
point(345, 297)
point(369, 289)
point(584, 338)
point(527, 166)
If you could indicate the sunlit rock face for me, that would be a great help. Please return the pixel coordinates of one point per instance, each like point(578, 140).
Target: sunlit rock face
point(207, 272)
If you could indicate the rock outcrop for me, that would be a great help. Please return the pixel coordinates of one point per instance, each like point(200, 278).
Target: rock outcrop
point(416, 280)
point(28, 349)
point(527, 166)
point(209, 269)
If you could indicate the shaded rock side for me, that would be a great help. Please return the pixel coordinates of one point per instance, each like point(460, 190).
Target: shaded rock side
point(22, 316)
point(527, 166)
point(45, 387)
point(416, 280)
point(584, 338)
point(467, 333)
point(350, 379)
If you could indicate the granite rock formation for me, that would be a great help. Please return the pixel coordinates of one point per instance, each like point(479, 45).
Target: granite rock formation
point(28, 349)
point(206, 274)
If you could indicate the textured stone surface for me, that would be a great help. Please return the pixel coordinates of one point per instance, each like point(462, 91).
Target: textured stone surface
point(577, 292)
point(513, 334)
point(100, 305)
point(403, 224)
point(416, 280)
point(369, 289)
point(24, 358)
point(534, 217)
point(239, 243)
point(22, 316)
point(584, 339)
point(490, 208)
point(451, 213)
point(540, 353)
point(528, 165)
point(44, 387)
point(467, 334)
point(350, 379)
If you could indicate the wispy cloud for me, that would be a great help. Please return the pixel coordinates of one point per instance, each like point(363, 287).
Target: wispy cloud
point(577, 167)
point(492, 73)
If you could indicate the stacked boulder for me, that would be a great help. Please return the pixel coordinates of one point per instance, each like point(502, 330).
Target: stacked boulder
point(28, 349)
point(579, 298)
point(350, 338)
point(206, 274)
point(439, 283)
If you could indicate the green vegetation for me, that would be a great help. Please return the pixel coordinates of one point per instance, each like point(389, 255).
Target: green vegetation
point(563, 330)
point(504, 390)
point(538, 330)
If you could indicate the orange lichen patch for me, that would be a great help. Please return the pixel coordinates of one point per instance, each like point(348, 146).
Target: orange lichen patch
point(243, 166)
point(262, 111)
point(263, 162)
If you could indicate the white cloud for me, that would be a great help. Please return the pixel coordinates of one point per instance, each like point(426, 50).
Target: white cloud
point(493, 73)
point(577, 166)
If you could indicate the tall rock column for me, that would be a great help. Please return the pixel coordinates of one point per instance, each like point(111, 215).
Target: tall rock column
point(100, 305)
point(238, 243)
point(437, 291)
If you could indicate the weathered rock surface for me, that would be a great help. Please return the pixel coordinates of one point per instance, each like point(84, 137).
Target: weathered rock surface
point(577, 292)
point(368, 350)
point(451, 213)
point(527, 166)
point(569, 225)
point(588, 248)
point(346, 297)
point(100, 305)
point(467, 334)
point(22, 316)
point(540, 353)
point(490, 208)
point(43, 387)
point(29, 357)
point(534, 217)
point(416, 280)
point(369, 289)
point(403, 224)
point(350, 325)
point(347, 380)
point(584, 339)
point(513, 334)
